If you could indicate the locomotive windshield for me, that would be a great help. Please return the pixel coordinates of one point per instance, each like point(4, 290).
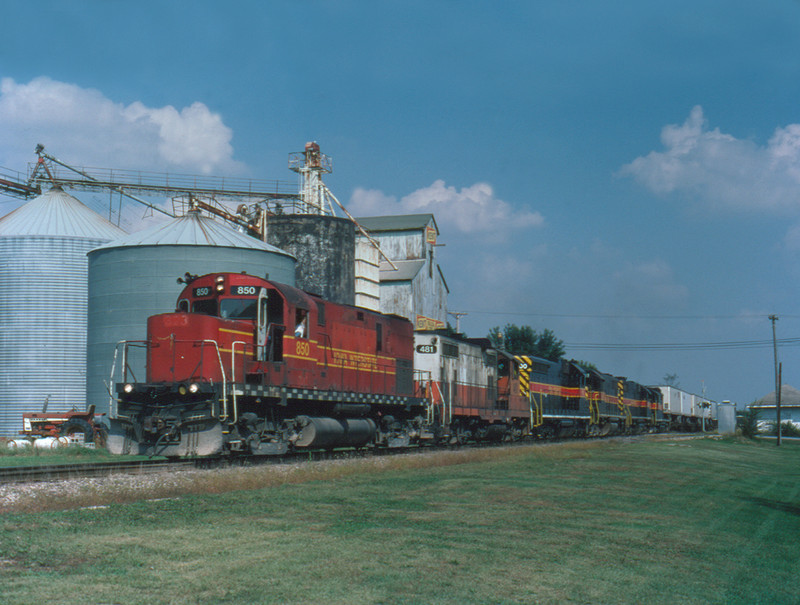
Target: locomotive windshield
point(205, 307)
point(238, 308)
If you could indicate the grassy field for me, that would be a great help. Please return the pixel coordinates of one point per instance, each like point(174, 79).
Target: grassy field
point(73, 454)
point(695, 521)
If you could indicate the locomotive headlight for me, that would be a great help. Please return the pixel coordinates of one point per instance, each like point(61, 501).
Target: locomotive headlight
point(185, 389)
point(128, 388)
point(220, 283)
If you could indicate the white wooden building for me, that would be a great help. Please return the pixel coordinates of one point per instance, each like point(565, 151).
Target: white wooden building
point(415, 287)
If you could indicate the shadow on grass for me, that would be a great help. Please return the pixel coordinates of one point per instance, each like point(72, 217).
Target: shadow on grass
point(786, 507)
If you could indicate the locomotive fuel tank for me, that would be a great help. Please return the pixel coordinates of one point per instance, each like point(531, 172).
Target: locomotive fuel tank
point(322, 432)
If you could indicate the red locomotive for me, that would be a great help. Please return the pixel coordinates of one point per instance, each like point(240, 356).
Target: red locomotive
point(245, 364)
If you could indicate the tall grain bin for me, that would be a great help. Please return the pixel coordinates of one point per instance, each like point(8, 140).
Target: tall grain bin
point(135, 277)
point(43, 318)
point(325, 250)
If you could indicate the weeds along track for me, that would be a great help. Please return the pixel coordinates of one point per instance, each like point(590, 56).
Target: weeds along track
point(60, 472)
point(67, 471)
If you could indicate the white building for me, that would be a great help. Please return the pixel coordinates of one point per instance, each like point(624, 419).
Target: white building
point(790, 406)
point(415, 287)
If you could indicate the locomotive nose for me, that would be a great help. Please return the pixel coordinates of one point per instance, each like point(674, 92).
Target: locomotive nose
point(154, 424)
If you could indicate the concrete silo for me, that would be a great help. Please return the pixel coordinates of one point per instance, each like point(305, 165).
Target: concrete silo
point(43, 317)
point(135, 277)
point(325, 250)
point(323, 244)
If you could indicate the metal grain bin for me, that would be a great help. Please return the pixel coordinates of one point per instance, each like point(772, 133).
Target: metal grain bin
point(325, 250)
point(43, 318)
point(726, 414)
point(135, 277)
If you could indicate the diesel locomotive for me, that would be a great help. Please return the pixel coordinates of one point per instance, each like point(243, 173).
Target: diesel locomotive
point(247, 365)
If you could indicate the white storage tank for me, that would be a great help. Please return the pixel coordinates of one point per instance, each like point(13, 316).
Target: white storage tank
point(136, 276)
point(726, 415)
point(43, 318)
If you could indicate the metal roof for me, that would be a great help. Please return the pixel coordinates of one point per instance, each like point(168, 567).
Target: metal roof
point(192, 229)
point(790, 396)
point(56, 213)
point(402, 222)
point(406, 270)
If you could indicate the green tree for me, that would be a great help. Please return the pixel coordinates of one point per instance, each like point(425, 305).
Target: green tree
point(747, 422)
point(671, 380)
point(524, 340)
point(587, 365)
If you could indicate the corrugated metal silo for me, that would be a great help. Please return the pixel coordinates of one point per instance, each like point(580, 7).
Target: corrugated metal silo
point(43, 317)
point(325, 250)
point(135, 277)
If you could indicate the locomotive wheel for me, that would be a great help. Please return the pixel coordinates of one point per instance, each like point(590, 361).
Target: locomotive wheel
point(78, 425)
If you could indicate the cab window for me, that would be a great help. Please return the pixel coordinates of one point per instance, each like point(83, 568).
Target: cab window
point(301, 324)
point(205, 307)
point(238, 308)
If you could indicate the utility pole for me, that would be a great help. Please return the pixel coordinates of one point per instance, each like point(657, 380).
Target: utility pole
point(458, 315)
point(778, 401)
point(773, 319)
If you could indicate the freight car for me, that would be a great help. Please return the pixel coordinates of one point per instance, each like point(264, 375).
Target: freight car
point(253, 366)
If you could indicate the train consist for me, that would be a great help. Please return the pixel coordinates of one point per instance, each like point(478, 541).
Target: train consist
point(246, 365)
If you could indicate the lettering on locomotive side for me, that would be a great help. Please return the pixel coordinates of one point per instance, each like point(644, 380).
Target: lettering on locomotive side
point(426, 349)
point(357, 361)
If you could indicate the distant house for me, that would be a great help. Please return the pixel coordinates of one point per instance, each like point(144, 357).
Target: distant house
point(790, 406)
point(415, 287)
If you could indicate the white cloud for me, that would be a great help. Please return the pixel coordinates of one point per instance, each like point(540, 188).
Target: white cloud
point(720, 169)
point(83, 127)
point(472, 210)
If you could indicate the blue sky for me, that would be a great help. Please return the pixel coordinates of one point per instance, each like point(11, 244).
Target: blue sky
point(624, 173)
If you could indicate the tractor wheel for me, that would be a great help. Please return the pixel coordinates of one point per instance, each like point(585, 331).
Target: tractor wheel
point(77, 426)
point(100, 436)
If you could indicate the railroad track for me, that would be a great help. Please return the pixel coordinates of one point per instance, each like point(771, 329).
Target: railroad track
point(57, 472)
point(41, 474)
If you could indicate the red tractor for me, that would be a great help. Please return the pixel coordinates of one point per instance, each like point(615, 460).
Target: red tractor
point(73, 424)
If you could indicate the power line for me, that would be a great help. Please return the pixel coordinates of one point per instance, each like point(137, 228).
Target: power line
point(617, 316)
point(685, 346)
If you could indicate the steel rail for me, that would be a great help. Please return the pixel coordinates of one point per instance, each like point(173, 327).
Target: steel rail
point(58, 472)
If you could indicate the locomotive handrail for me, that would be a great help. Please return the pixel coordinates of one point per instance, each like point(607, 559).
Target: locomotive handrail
point(224, 379)
point(420, 378)
point(112, 400)
point(200, 364)
point(594, 407)
point(536, 409)
point(446, 410)
point(233, 373)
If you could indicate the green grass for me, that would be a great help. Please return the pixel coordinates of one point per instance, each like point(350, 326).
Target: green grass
point(72, 454)
point(700, 521)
